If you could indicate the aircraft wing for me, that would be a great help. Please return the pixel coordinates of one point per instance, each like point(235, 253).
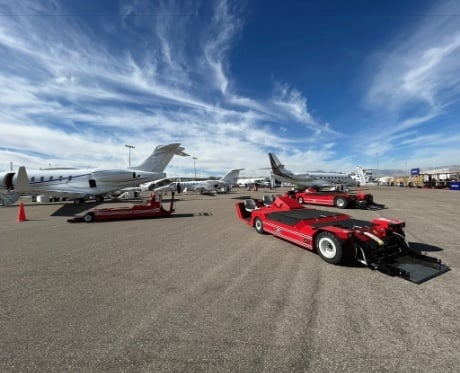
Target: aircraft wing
point(68, 193)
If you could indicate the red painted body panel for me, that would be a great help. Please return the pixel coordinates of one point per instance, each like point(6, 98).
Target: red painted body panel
point(286, 233)
point(316, 198)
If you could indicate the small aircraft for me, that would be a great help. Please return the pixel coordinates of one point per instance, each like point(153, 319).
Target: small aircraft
point(308, 179)
point(249, 181)
point(80, 184)
point(152, 185)
point(224, 184)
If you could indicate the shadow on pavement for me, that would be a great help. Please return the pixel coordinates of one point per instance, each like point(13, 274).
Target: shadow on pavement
point(420, 247)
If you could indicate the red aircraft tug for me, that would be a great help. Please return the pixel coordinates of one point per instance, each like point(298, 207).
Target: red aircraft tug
point(379, 244)
point(337, 199)
point(151, 209)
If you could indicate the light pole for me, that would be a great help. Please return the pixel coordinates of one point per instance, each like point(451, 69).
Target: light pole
point(129, 153)
point(194, 167)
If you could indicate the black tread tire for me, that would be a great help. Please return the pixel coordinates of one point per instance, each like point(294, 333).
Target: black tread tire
point(300, 200)
point(88, 218)
point(341, 202)
point(329, 247)
point(259, 226)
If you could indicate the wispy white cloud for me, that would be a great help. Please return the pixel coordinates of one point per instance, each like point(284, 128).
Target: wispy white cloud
point(69, 86)
point(291, 103)
point(223, 29)
point(415, 84)
point(422, 69)
point(76, 88)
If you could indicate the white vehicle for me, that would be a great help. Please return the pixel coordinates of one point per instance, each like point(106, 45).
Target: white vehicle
point(307, 179)
point(250, 181)
point(80, 184)
point(222, 185)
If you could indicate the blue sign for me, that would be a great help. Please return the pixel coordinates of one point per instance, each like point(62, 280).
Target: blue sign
point(455, 185)
point(415, 171)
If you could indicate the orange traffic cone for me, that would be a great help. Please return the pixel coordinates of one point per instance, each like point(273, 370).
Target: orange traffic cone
point(21, 213)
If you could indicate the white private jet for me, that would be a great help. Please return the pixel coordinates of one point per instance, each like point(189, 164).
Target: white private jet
point(248, 181)
point(224, 184)
point(315, 178)
point(80, 184)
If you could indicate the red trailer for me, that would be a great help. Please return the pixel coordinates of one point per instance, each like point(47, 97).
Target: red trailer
point(337, 237)
point(151, 209)
point(337, 199)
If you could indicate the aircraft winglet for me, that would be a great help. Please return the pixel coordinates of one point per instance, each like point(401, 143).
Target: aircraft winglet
point(180, 152)
point(22, 181)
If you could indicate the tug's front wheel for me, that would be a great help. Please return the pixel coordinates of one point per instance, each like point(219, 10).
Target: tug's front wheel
point(340, 202)
point(88, 218)
point(259, 226)
point(329, 247)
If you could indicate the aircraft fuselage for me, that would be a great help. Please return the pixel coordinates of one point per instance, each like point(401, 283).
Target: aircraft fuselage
point(79, 183)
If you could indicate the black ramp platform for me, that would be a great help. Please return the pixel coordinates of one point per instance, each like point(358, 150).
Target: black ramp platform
point(346, 224)
point(292, 217)
point(417, 268)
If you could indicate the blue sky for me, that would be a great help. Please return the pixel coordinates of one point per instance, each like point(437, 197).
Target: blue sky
point(323, 84)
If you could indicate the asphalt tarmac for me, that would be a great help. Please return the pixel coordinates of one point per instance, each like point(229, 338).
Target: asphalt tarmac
point(201, 291)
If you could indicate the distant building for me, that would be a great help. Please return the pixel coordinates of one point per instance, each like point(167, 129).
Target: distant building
point(431, 178)
point(440, 177)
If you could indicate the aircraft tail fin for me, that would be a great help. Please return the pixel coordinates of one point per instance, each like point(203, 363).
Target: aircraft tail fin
point(277, 166)
point(231, 177)
point(160, 158)
point(361, 176)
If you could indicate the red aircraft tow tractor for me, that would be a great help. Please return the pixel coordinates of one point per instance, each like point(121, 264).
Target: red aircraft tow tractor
point(337, 199)
point(379, 244)
point(151, 209)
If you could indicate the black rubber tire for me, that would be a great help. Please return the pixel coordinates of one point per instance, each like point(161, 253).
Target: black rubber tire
point(329, 247)
point(259, 226)
point(300, 200)
point(88, 218)
point(99, 199)
point(341, 202)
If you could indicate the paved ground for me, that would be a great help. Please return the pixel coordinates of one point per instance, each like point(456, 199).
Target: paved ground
point(204, 292)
